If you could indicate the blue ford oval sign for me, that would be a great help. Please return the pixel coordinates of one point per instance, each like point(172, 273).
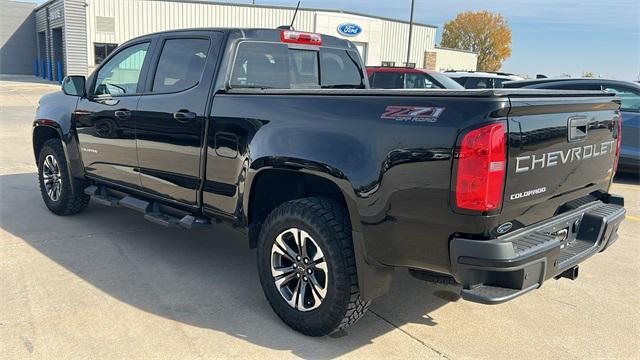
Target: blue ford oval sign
point(349, 29)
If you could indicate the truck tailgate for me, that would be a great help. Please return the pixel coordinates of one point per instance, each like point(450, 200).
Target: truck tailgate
point(561, 153)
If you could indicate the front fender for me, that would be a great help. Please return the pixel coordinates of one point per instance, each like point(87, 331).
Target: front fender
point(58, 107)
point(55, 112)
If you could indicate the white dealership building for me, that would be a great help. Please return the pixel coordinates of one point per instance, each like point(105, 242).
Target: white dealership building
point(73, 36)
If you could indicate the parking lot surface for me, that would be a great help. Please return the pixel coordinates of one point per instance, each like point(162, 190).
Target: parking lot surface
point(108, 284)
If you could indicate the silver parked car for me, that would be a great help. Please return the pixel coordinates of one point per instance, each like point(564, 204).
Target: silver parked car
point(629, 94)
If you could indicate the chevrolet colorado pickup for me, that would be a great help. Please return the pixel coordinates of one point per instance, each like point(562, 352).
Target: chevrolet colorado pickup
point(277, 133)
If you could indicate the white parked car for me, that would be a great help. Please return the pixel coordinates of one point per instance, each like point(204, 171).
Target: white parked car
point(481, 80)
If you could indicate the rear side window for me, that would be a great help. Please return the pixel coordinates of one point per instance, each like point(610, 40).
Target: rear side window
point(181, 64)
point(276, 66)
point(388, 80)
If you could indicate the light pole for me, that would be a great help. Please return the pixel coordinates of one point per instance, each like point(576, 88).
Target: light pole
point(413, 3)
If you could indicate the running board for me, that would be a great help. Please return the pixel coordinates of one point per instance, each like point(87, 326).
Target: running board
point(151, 210)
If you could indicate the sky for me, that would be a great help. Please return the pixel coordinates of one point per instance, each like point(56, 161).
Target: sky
point(551, 37)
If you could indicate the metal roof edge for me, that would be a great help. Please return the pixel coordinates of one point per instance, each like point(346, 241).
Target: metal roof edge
point(277, 7)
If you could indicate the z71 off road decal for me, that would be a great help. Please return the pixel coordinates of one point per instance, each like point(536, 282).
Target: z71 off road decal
point(412, 113)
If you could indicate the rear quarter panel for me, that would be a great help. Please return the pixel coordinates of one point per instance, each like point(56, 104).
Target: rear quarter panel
point(394, 172)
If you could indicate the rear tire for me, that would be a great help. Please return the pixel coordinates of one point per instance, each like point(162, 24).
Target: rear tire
point(55, 184)
point(331, 301)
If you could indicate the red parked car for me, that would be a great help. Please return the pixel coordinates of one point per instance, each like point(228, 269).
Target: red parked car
point(408, 78)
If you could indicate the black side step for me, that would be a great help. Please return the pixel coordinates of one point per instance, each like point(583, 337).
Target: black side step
point(151, 210)
point(100, 195)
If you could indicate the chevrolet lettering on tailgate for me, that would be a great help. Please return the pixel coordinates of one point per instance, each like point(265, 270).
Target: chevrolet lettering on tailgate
point(553, 158)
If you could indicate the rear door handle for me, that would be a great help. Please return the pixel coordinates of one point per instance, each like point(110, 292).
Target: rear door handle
point(184, 116)
point(122, 114)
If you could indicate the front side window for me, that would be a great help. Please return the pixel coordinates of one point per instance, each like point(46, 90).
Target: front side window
point(630, 99)
point(120, 75)
point(181, 64)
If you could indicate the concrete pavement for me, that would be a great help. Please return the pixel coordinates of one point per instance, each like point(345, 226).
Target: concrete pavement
point(107, 284)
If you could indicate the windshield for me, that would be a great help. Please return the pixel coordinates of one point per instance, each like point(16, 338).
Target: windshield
point(447, 82)
point(277, 66)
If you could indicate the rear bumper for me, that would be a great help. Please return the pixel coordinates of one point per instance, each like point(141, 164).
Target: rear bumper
point(495, 271)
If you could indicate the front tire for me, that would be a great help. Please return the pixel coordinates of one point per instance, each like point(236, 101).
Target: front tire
point(55, 181)
point(307, 266)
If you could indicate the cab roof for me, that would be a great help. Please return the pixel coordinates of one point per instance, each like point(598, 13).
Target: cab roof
point(258, 34)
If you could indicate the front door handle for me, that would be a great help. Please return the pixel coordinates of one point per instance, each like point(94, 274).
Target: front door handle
point(122, 114)
point(184, 116)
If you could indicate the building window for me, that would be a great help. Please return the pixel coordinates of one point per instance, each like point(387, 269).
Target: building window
point(410, 65)
point(101, 51)
point(388, 63)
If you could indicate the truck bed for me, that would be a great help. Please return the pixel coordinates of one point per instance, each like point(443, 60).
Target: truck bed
point(519, 93)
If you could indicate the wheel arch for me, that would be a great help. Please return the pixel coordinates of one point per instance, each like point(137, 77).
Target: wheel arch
point(45, 130)
point(41, 134)
point(271, 186)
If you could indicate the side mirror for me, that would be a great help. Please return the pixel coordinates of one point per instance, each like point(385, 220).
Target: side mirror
point(74, 85)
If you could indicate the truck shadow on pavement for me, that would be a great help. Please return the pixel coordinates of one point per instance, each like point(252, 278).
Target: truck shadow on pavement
point(205, 279)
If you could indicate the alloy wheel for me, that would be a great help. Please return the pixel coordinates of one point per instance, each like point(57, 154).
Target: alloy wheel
point(299, 269)
point(52, 177)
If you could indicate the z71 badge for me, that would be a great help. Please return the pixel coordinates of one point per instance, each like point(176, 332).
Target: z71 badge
point(412, 113)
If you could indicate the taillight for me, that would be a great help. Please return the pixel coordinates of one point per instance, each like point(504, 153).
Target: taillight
point(618, 142)
point(482, 162)
point(46, 122)
point(298, 37)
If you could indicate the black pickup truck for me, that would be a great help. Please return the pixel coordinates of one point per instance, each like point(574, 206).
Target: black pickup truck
point(277, 133)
